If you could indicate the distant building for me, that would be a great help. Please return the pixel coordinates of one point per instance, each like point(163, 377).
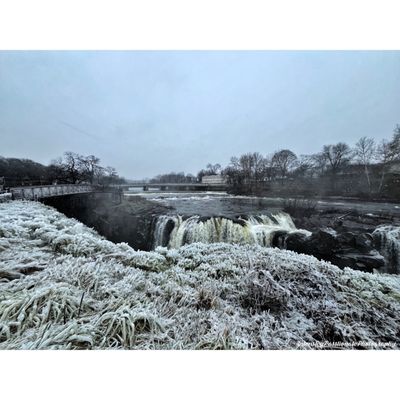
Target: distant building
point(213, 179)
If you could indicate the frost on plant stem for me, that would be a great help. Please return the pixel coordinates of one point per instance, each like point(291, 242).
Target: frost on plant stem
point(63, 286)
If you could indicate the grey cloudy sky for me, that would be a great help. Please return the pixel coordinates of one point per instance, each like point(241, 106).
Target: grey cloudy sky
point(151, 112)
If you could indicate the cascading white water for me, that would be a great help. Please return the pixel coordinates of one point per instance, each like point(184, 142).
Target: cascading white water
point(174, 231)
point(387, 239)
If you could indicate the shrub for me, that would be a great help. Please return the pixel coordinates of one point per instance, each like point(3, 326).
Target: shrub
point(262, 293)
point(300, 207)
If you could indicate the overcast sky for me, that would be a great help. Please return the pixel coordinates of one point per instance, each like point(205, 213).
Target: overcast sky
point(151, 112)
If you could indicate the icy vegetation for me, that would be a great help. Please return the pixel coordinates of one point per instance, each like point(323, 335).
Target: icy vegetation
point(62, 286)
point(175, 231)
point(4, 197)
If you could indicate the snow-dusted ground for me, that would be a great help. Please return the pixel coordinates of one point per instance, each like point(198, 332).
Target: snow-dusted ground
point(64, 286)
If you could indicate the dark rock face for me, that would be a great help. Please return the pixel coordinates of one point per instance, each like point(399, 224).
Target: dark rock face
point(280, 238)
point(364, 262)
point(346, 220)
point(357, 234)
point(344, 250)
point(127, 220)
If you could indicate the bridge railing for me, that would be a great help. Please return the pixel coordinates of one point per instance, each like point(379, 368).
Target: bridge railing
point(38, 192)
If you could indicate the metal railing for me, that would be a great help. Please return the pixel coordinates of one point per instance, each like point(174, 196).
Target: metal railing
point(39, 192)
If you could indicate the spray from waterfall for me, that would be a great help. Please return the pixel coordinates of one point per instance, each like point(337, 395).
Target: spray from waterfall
point(175, 231)
point(387, 240)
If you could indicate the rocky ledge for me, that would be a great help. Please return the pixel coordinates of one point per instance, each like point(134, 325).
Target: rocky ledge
point(342, 249)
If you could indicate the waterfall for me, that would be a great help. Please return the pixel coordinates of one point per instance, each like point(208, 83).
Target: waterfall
point(387, 240)
point(174, 231)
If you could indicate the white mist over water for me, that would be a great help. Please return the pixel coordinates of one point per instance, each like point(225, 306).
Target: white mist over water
point(174, 231)
point(388, 241)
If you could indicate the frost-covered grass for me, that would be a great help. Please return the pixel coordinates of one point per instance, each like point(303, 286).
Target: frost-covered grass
point(5, 197)
point(64, 286)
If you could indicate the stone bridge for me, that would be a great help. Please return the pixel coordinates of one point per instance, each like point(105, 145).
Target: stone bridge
point(174, 186)
point(40, 192)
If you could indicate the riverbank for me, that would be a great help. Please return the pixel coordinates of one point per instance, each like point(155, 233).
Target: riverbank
point(63, 286)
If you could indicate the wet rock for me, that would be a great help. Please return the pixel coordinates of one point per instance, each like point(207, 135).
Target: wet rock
point(325, 241)
point(344, 250)
point(239, 221)
point(297, 242)
point(279, 239)
point(364, 262)
point(364, 241)
point(320, 244)
point(201, 218)
point(346, 239)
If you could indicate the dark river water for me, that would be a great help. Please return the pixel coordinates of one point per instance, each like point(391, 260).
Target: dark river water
point(210, 204)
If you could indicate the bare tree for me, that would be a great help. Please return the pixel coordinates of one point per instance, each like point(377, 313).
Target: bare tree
point(337, 156)
point(284, 160)
point(319, 164)
point(68, 167)
point(394, 144)
point(269, 168)
point(251, 166)
point(109, 176)
point(213, 169)
point(75, 168)
point(304, 167)
point(385, 156)
point(174, 177)
point(365, 153)
point(235, 164)
point(387, 152)
point(110, 172)
point(249, 169)
point(90, 169)
point(259, 167)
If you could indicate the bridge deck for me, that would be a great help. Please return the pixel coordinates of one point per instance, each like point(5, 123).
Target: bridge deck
point(38, 192)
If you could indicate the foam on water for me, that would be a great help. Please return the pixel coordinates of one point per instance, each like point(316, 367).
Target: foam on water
point(174, 231)
point(387, 239)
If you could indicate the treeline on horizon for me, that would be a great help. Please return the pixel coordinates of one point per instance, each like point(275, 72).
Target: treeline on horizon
point(368, 169)
point(70, 168)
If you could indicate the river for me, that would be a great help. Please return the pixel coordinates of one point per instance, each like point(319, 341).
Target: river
point(210, 204)
point(211, 217)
